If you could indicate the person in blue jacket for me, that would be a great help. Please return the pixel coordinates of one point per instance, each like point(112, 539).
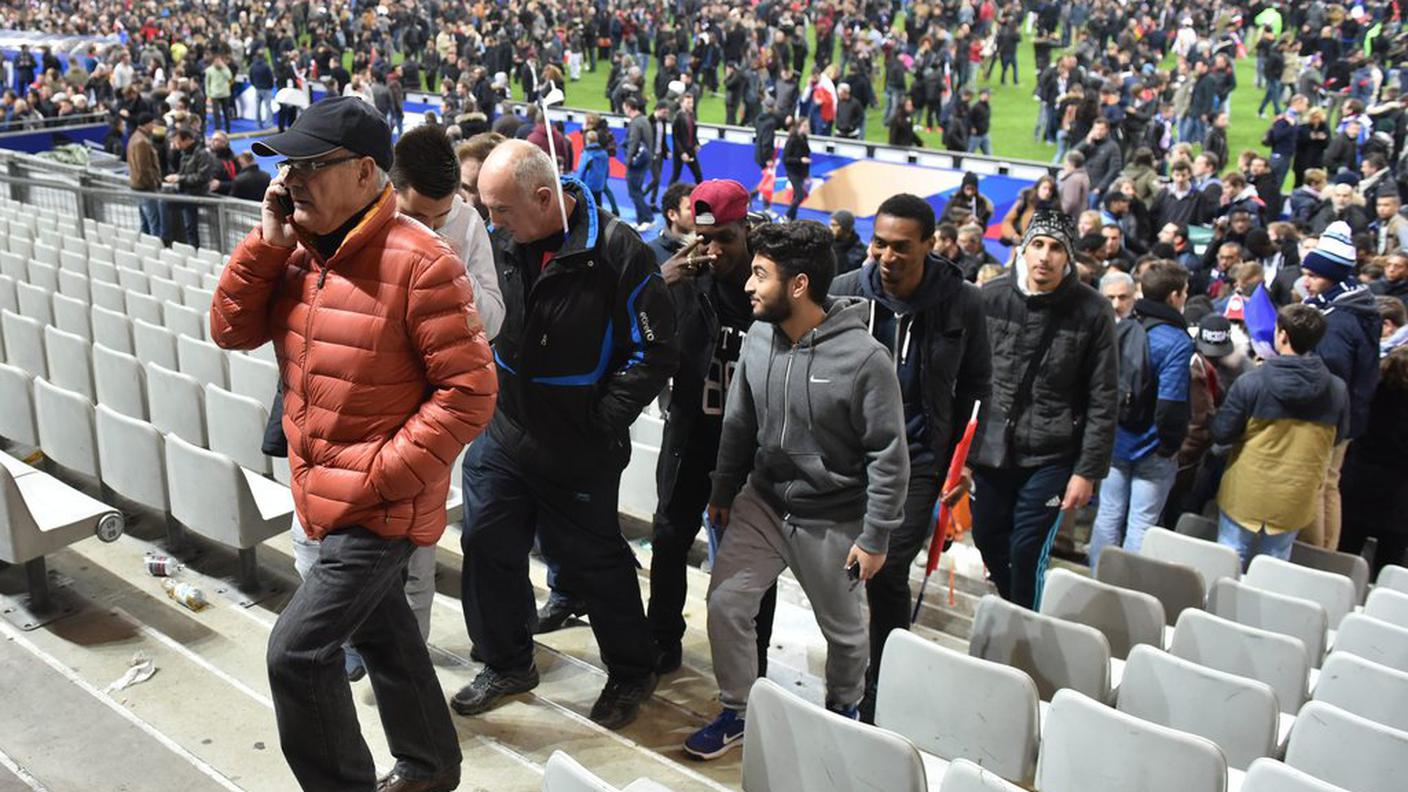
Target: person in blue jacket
point(594, 166)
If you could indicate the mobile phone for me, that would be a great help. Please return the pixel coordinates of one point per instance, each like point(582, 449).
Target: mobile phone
point(853, 573)
point(285, 202)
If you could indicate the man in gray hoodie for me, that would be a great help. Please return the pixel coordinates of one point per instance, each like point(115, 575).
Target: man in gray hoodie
point(812, 472)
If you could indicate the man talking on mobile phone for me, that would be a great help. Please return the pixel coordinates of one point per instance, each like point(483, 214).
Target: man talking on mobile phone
point(812, 472)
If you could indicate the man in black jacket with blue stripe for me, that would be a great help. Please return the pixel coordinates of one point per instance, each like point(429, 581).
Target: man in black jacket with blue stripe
point(587, 341)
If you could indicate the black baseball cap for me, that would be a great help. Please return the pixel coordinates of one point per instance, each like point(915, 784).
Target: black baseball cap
point(1214, 338)
point(337, 122)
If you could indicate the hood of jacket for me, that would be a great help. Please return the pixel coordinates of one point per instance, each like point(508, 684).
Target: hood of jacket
point(1298, 380)
point(941, 279)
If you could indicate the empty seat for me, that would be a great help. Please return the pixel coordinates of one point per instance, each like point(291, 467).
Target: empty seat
point(185, 249)
point(66, 429)
point(1365, 688)
point(1239, 715)
point(965, 776)
point(99, 272)
point(71, 316)
point(9, 299)
point(1054, 652)
point(43, 276)
point(1087, 746)
point(127, 259)
point(1278, 660)
point(202, 360)
point(926, 690)
point(562, 773)
point(24, 343)
point(132, 454)
point(184, 321)
point(73, 261)
point(1269, 775)
point(1267, 610)
point(35, 303)
point(221, 501)
point(1388, 605)
point(252, 377)
point(1126, 618)
point(69, 363)
point(1354, 567)
point(1196, 526)
point(152, 343)
point(17, 422)
point(120, 382)
point(1212, 560)
point(109, 296)
point(177, 403)
point(72, 284)
point(199, 299)
point(145, 307)
point(1374, 640)
point(40, 514)
point(112, 329)
point(1333, 591)
point(1347, 750)
point(100, 252)
point(185, 277)
point(1394, 577)
point(133, 281)
point(72, 242)
point(46, 254)
point(235, 425)
point(13, 265)
point(210, 282)
point(791, 744)
point(1176, 586)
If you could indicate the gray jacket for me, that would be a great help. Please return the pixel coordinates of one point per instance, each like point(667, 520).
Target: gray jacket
point(638, 136)
point(818, 427)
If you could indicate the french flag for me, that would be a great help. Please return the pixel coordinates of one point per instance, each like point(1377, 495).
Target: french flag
point(1259, 315)
point(823, 95)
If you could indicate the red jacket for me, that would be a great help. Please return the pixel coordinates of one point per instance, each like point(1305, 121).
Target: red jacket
point(386, 371)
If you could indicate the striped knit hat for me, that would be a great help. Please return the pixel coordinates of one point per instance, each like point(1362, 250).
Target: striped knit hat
point(1334, 256)
point(1054, 224)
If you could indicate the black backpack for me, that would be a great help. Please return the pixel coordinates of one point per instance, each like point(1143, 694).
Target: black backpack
point(1138, 383)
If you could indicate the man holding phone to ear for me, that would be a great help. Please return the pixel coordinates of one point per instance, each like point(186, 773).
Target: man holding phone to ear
point(811, 476)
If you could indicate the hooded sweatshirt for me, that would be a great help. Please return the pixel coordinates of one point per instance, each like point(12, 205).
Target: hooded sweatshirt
point(1350, 348)
point(817, 427)
point(1282, 420)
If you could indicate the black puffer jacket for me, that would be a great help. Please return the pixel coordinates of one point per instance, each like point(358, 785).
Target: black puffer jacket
point(957, 362)
point(1073, 408)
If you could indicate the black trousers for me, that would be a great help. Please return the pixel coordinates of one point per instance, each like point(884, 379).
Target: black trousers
point(891, 602)
point(578, 526)
point(683, 480)
point(680, 164)
point(355, 594)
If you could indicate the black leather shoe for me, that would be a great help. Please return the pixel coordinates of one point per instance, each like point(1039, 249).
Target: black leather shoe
point(489, 687)
point(395, 782)
point(671, 658)
point(557, 612)
point(620, 700)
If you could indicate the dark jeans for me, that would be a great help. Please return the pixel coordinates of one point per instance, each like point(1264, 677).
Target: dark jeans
point(355, 594)
point(693, 166)
point(287, 115)
point(1014, 517)
point(797, 181)
point(579, 527)
point(635, 184)
point(657, 166)
point(678, 518)
point(221, 111)
point(891, 603)
point(189, 215)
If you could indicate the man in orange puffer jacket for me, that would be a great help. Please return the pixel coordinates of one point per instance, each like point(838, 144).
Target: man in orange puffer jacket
point(386, 375)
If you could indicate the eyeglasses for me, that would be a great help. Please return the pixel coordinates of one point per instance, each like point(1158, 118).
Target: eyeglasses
point(307, 168)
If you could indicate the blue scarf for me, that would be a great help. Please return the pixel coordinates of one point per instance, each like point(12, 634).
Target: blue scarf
point(1323, 302)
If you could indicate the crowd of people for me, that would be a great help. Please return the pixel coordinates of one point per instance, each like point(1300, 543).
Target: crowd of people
point(1169, 329)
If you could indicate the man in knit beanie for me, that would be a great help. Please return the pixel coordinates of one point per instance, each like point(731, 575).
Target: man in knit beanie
point(1051, 427)
point(1350, 349)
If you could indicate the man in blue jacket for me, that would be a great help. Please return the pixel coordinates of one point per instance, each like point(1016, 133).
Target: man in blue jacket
point(1155, 419)
point(1350, 350)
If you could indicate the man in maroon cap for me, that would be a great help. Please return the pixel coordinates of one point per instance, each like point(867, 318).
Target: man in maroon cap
point(706, 281)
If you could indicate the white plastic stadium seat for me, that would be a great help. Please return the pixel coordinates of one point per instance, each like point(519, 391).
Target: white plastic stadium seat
point(112, 329)
point(1354, 567)
point(177, 403)
point(1388, 605)
point(1056, 653)
point(964, 776)
point(1278, 660)
point(152, 343)
point(1374, 640)
point(70, 362)
point(1365, 688)
point(1267, 610)
point(1333, 591)
point(67, 432)
point(792, 745)
point(71, 315)
point(1126, 618)
point(1239, 715)
point(253, 378)
point(1087, 746)
point(184, 321)
point(120, 382)
point(1269, 775)
point(17, 421)
point(202, 360)
point(35, 303)
point(133, 457)
point(235, 425)
point(1176, 586)
point(1212, 560)
point(926, 690)
point(1394, 577)
point(1347, 750)
point(24, 343)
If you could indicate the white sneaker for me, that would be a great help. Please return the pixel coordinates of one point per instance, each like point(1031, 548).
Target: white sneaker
point(644, 226)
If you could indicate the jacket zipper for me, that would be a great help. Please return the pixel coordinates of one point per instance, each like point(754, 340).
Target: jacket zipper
point(786, 386)
point(303, 359)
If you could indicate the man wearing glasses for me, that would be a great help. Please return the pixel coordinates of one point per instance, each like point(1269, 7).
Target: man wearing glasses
point(386, 376)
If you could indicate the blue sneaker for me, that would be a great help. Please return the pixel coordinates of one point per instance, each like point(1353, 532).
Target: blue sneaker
point(717, 738)
point(852, 713)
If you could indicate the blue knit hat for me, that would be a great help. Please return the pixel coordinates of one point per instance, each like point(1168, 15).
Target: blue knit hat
point(1334, 256)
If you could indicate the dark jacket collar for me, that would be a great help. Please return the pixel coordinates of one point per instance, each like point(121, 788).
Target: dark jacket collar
point(1162, 312)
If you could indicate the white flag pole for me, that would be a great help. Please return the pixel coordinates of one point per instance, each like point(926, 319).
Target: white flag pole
point(554, 97)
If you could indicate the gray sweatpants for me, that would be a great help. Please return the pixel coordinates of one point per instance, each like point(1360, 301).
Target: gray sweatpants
point(757, 545)
point(420, 573)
